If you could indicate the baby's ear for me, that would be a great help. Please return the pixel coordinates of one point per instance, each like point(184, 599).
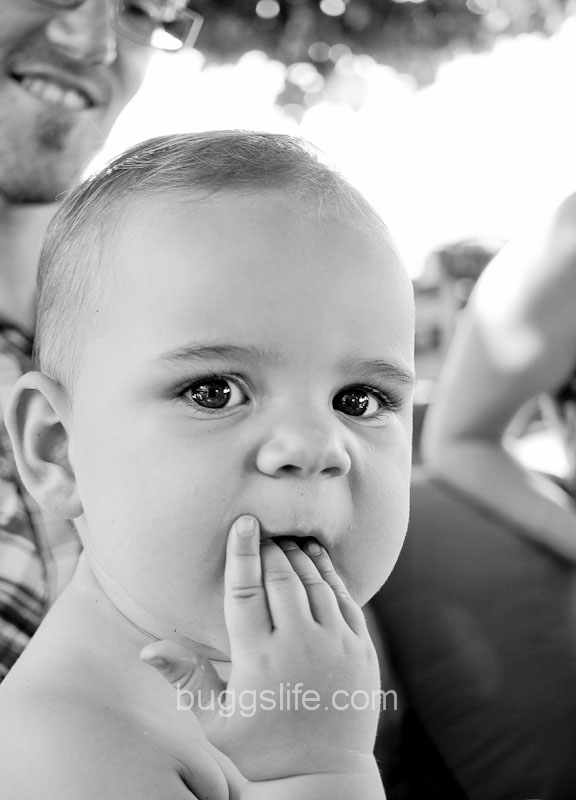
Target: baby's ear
point(38, 420)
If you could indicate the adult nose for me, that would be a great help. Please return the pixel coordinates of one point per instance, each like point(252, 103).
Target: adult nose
point(303, 450)
point(85, 33)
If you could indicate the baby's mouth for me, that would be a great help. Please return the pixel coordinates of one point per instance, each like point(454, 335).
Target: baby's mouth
point(287, 539)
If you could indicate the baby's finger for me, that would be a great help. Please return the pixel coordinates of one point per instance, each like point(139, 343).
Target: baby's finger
point(245, 606)
point(321, 598)
point(349, 609)
point(287, 598)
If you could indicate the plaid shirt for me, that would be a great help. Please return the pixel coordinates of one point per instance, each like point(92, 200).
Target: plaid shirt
point(38, 552)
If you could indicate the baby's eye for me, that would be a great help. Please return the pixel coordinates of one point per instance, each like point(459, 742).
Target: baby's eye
point(213, 394)
point(358, 401)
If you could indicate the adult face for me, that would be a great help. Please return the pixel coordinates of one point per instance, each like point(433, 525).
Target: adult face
point(253, 361)
point(64, 78)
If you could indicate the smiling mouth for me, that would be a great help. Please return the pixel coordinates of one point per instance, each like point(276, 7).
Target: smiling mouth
point(53, 93)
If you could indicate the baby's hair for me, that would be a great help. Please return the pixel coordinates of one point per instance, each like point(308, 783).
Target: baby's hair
point(73, 280)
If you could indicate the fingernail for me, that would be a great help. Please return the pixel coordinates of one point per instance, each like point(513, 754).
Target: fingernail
point(313, 548)
point(287, 544)
point(155, 661)
point(246, 526)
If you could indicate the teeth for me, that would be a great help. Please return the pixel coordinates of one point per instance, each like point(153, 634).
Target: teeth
point(73, 99)
point(54, 94)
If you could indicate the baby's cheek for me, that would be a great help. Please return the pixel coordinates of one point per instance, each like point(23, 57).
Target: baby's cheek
point(379, 541)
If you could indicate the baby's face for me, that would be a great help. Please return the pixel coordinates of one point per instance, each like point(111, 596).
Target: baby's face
point(252, 361)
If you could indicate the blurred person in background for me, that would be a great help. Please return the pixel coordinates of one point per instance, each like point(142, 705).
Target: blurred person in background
point(517, 342)
point(480, 612)
point(67, 69)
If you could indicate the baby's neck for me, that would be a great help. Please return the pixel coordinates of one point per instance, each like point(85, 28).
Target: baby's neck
point(139, 618)
point(152, 627)
point(90, 627)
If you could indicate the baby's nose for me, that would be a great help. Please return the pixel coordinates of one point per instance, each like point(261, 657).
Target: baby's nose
point(303, 453)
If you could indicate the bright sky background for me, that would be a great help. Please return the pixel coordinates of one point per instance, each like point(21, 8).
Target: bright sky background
point(484, 151)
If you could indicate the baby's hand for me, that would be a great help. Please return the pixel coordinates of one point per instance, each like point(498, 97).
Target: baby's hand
point(302, 696)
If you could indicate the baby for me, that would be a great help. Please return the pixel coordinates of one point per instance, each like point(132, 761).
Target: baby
point(223, 406)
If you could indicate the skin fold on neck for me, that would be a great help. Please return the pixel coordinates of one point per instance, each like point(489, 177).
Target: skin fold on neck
point(152, 627)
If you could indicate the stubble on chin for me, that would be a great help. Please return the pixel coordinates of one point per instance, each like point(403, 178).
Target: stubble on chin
point(52, 135)
point(48, 164)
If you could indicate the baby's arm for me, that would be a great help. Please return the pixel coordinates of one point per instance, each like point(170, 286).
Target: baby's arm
point(296, 637)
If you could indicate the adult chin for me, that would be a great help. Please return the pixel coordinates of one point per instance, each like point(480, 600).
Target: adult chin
point(47, 169)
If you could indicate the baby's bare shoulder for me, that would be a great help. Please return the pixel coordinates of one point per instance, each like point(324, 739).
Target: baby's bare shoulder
point(63, 745)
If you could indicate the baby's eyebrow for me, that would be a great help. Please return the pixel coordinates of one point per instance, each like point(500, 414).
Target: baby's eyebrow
point(249, 354)
point(217, 352)
point(385, 370)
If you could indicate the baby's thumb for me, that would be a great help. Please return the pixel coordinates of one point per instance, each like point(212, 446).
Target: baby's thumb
point(184, 669)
